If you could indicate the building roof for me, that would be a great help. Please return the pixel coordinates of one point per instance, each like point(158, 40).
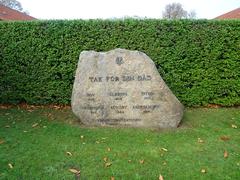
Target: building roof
point(7, 14)
point(234, 14)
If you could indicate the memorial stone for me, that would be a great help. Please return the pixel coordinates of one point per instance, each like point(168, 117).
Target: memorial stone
point(123, 88)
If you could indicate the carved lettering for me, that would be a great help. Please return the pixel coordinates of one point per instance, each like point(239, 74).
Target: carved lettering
point(90, 94)
point(121, 94)
point(147, 93)
point(144, 78)
point(118, 107)
point(92, 107)
point(146, 107)
point(112, 78)
point(117, 120)
point(128, 78)
point(95, 79)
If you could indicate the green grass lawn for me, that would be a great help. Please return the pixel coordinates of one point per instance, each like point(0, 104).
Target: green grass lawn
point(44, 143)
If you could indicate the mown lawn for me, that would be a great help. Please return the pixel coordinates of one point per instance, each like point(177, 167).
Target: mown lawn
point(44, 143)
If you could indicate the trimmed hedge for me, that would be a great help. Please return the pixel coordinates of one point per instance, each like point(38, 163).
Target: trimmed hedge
point(199, 60)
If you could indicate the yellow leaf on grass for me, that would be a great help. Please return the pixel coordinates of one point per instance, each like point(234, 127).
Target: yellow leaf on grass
point(82, 137)
point(234, 126)
point(203, 171)
point(69, 153)
point(164, 149)
point(108, 164)
point(10, 165)
point(224, 138)
point(2, 141)
point(225, 155)
point(75, 171)
point(35, 125)
point(105, 159)
point(112, 178)
point(160, 177)
point(200, 140)
point(108, 149)
point(141, 161)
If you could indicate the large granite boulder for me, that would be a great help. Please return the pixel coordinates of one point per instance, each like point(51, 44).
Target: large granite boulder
point(123, 88)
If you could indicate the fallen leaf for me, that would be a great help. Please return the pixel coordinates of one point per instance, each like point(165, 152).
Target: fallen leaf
point(108, 164)
point(105, 159)
point(225, 155)
point(213, 105)
point(160, 177)
point(10, 165)
point(49, 114)
point(224, 138)
point(203, 171)
point(141, 161)
point(164, 149)
point(108, 149)
point(129, 160)
point(56, 107)
point(2, 141)
point(234, 126)
point(82, 137)
point(112, 178)
point(69, 153)
point(35, 125)
point(200, 140)
point(75, 171)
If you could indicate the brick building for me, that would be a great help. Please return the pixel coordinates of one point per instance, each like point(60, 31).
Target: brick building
point(8, 14)
point(234, 14)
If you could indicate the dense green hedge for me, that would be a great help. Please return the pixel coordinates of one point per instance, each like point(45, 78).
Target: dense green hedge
point(199, 60)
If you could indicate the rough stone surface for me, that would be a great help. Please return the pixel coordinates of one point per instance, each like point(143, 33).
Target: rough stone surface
point(123, 88)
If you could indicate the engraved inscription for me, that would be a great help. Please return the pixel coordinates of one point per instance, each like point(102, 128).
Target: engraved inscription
point(96, 79)
point(144, 78)
point(118, 95)
point(146, 107)
point(119, 109)
point(113, 121)
point(119, 60)
point(112, 78)
point(90, 96)
point(124, 78)
point(147, 95)
point(92, 109)
point(128, 78)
